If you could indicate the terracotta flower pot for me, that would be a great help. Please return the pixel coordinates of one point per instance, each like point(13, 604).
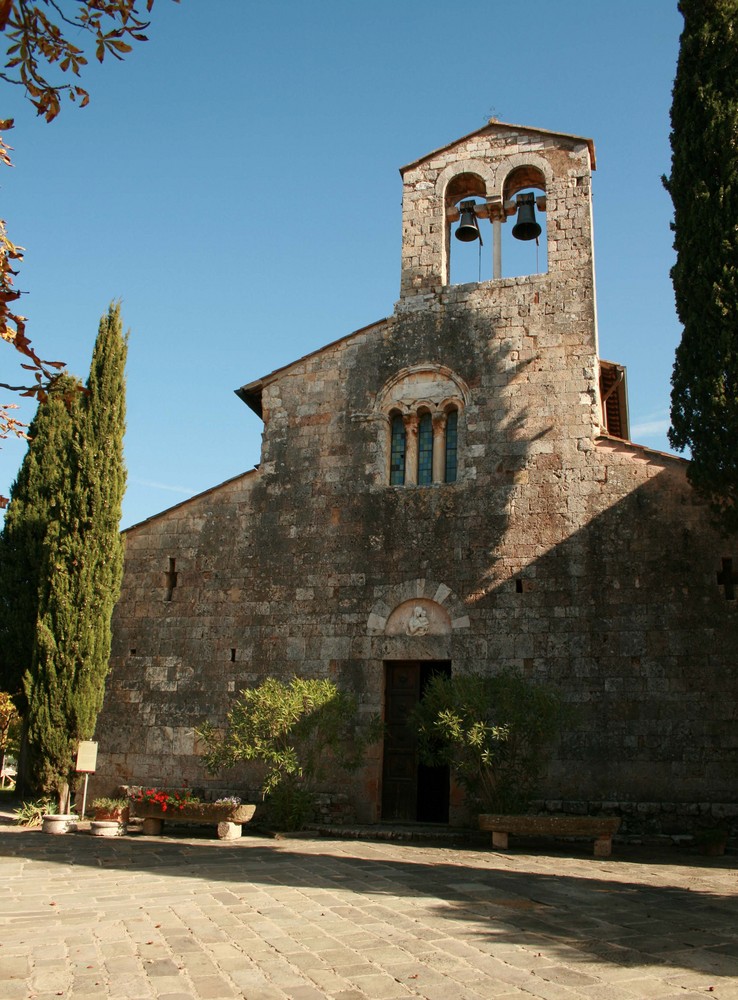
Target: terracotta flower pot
point(120, 815)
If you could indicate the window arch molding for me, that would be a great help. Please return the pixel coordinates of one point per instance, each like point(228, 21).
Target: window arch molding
point(403, 387)
point(420, 410)
point(523, 166)
point(483, 173)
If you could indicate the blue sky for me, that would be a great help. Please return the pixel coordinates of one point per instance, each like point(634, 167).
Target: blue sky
point(234, 182)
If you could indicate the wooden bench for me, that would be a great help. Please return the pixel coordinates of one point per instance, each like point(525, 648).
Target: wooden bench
point(601, 828)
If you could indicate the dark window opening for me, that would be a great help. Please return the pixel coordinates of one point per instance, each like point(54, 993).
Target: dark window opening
point(452, 427)
point(726, 579)
point(614, 398)
point(397, 453)
point(171, 579)
point(425, 450)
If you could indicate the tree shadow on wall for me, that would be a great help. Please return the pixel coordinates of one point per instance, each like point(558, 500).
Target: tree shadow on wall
point(627, 618)
point(408, 531)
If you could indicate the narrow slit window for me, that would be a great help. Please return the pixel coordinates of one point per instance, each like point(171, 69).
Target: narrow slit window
point(171, 579)
point(425, 450)
point(397, 452)
point(452, 425)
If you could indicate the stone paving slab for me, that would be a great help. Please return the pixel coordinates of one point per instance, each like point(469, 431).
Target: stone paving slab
point(192, 919)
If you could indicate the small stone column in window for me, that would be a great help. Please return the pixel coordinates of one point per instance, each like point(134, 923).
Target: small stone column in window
point(439, 447)
point(411, 455)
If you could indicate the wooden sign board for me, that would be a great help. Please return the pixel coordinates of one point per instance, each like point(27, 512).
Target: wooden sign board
point(87, 756)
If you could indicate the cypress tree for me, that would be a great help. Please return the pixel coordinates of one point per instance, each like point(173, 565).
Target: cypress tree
point(34, 500)
point(704, 189)
point(80, 573)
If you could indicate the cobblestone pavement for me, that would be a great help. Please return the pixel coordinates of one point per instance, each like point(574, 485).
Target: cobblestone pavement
point(304, 919)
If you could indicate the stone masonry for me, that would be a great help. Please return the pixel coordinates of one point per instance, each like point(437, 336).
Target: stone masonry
point(581, 559)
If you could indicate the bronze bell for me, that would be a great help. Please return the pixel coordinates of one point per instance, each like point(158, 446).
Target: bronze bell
point(468, 228)
point(526, 228)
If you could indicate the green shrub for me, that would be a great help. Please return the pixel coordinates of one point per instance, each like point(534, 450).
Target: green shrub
point(295, 730)
point(289, 805)
point(32, 813)
point(492, 731)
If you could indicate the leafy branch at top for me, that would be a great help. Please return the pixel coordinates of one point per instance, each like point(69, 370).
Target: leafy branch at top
point(37, 43)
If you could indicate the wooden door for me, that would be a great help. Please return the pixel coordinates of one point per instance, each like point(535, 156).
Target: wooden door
point(410, 791)
point(400, 767)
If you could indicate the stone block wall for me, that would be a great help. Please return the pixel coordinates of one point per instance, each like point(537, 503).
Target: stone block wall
point(582, 561)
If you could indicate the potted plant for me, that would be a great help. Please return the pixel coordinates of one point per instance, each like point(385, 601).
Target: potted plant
point(32, 813)
point(110, 817)
point(110, 809)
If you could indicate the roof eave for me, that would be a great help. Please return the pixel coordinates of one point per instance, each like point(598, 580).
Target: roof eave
point(492, 124)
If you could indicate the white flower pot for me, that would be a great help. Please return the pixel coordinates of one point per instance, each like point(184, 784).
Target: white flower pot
point(59, 823)
point(105, 828)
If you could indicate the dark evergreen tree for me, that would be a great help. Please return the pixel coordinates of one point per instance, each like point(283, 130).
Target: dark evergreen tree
point(704, 189)
point(80, 573)
point(34, 501)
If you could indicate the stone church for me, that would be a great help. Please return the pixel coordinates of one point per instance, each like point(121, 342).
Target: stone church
point(452, 488)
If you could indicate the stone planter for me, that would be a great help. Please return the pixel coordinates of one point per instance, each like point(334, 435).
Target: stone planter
point(118, 817)
point(106, 828)
point(59, 823)
point(598, 828)
point(227, 819)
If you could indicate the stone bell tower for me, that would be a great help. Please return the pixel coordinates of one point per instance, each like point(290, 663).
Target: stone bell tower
point(493, 166)
point(540, 325)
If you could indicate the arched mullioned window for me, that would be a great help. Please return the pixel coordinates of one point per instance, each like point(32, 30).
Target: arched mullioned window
point(423, 447)
point(398, 448)
point(419, 413)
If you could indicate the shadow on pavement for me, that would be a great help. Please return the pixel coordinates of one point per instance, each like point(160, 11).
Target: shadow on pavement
point(622, 911)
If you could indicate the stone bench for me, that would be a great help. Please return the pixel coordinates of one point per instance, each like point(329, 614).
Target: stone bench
point(601, 828)
point(227, 819)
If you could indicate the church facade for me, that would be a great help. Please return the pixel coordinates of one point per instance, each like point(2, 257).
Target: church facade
point(452, 488)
